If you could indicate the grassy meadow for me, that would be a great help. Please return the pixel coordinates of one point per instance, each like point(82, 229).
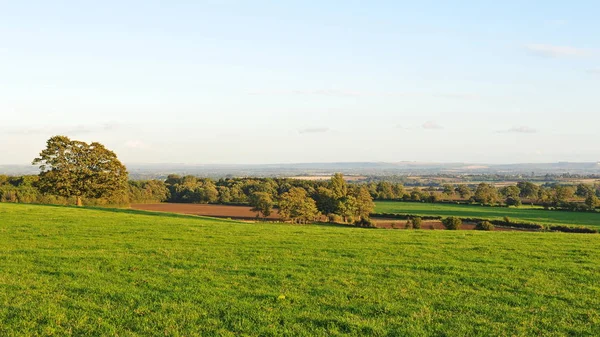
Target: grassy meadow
point(76, 271)
point(524, 214)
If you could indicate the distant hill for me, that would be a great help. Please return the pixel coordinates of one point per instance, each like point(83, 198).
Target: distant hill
point(144, 171)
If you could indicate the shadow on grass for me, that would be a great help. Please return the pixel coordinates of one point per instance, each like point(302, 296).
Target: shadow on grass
point(124, 210)
point(137, 212)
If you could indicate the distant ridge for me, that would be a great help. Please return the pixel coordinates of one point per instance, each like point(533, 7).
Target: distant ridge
point(353, 168)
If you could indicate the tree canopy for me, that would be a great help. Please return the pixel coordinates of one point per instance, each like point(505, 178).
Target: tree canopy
point(72, 168)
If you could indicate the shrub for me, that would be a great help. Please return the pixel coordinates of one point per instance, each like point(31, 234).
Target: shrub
point(409, 225)
point(506, 219)
point(365, 222)
point(416, 222)
point(452, 223)
point(331, 217)
point(484, 226)
point(567, 229)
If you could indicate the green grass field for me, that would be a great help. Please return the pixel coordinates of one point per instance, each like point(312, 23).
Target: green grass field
point(474, 211)
point(69, 271)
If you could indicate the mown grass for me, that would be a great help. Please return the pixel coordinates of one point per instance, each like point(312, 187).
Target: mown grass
point(69, 271)
point(539, 216)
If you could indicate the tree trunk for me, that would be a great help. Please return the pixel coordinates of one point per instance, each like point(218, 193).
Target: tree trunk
point(79, 203)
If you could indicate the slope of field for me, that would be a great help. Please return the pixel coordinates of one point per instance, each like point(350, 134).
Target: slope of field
point(474, 211)
point(220, 211)
point(68, 271)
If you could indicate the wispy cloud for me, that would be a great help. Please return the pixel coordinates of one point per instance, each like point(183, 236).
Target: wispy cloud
point(360, 93)
point(558, 51)
point(432, 125)
point(314, 130)
point(520, 129)
point(67, 130)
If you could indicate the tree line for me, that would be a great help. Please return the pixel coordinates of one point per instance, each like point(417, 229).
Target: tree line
point(328, 198)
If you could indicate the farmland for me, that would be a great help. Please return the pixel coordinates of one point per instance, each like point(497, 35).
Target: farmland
point(77, 271)
point(474, 211)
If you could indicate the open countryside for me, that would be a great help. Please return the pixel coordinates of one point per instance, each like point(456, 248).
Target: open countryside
point(70, 271)
point(418, 209)
point(493, 213)
point(299, 168)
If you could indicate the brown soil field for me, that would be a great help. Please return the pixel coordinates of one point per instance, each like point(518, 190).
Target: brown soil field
point(244, 213)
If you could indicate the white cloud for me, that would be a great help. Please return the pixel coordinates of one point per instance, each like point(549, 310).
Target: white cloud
point(432, 125)
point(558, 51)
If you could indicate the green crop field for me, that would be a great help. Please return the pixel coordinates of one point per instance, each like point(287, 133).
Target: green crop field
point(525, 214)
point(76, 271)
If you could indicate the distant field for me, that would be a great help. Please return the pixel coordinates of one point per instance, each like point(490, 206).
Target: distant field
point(522, 214)
point(69, 271)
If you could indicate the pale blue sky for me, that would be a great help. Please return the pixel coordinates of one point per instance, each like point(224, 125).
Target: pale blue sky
point(303, 81)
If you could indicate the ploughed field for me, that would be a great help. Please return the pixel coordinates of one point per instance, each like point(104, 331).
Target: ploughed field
point(525, 214)
point(77, 271)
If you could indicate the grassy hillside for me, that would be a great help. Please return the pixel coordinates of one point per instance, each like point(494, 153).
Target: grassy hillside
point(474, 211)
point(68, 271)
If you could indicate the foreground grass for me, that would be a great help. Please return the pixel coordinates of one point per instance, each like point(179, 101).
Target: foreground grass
point(540, 216)
point(68, 271)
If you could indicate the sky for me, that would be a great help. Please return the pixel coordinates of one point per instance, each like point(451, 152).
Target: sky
point(249, 82)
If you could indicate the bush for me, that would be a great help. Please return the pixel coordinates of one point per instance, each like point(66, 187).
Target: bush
point(567, 229)
point(452, 223)
point(365, 222)
point(416, 222)
point(331, 217)
point(506, 219)
point(409, 225)
point(484, 226)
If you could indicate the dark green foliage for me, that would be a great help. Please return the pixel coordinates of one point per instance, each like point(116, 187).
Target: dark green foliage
point(484, 226)
point(567, 229)
point(261, 203)
point(71, 168)
point(592, 201)
point(513, 201)
point(297, 206)
point(416, 222)
point(486, 194)
point(452, 223)
point(365, 222)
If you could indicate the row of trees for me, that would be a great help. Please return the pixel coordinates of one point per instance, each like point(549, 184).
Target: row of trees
point(298, 200)
point(26, 189)
point(189, 189)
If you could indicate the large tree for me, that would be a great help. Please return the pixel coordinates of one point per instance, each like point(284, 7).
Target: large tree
point(298, 206)
point(261, 203)
point(72, 168)
point(364, 204)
